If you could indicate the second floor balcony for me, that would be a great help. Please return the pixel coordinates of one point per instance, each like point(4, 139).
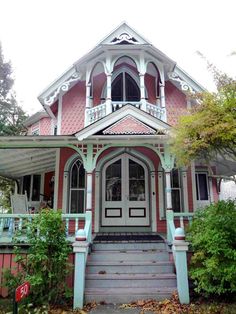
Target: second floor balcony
point(98, 112)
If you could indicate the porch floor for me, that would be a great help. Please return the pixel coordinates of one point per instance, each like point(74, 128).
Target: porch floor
point(126, 237)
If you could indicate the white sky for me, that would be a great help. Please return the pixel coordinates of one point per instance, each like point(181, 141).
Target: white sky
point(43, 38)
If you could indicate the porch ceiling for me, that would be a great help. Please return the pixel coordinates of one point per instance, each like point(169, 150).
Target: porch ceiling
point(14, 163)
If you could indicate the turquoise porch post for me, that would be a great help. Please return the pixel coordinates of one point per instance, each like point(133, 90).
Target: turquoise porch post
point(80, 249)
point(180, 247)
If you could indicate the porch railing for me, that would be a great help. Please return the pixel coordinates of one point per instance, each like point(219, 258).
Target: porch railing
point(176, 237)
point(11, 223)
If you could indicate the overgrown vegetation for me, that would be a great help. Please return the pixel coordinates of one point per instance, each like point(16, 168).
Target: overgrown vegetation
point(46, 264)
point(208, 132)
point(213, 239)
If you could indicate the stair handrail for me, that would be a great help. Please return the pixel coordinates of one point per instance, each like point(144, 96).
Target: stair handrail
point(179, 247)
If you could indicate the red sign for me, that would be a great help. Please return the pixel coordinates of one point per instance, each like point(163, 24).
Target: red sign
point(22, 291)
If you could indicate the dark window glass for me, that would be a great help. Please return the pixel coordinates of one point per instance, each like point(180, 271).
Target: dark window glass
point(175, 196)
point(117, 88)
point(132, 89)
point(113, 181)
point(77, 201)
point(36, 187)
point(201, 186)
point(26, 185)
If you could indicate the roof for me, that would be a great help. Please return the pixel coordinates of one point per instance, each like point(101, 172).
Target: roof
point(122, 37)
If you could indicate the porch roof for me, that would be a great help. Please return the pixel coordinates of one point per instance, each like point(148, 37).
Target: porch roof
point(23, 155)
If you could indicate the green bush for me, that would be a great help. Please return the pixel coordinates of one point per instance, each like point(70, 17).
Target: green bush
point(46, 264)
point(213, 239)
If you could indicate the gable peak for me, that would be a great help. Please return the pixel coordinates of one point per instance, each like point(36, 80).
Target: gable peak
point(124, 35)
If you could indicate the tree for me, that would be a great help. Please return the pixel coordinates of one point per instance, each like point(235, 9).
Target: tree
point(208, 132)
point(12, 117)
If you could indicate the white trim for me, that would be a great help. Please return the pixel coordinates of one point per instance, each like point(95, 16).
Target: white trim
point(184, 179)
point(161, 192)
point(153, 208)
point(89, 190)
point(193, 185)
point(59, 114)
point(56, 182)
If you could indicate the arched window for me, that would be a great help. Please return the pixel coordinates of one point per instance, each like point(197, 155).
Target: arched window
point(124, 88)
point(77, 188)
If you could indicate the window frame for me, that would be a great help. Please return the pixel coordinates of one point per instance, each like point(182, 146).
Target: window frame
point(197, 185)
point(70, 189)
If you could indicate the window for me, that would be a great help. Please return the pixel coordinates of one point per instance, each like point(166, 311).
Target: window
point(202, 186)
point(176, 190)
point(32, 186)
point(77, 188)
point(124, 88)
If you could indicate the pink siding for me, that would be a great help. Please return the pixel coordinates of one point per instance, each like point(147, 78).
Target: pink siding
point(73, 109)
point(176, 103)
point(45, 126)
point(33, 128)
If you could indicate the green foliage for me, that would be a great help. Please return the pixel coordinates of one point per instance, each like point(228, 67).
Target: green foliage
point(46, 264)
point(209, 132)
point(213, 239)
point(12, 115)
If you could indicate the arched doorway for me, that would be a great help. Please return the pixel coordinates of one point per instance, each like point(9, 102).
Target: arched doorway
point(125, 192)
point(124, 88)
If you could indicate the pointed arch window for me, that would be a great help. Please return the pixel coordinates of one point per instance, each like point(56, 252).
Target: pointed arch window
point(77, 188)
point(124, 88)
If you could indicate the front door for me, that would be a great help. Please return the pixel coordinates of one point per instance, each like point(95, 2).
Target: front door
point(125, 192)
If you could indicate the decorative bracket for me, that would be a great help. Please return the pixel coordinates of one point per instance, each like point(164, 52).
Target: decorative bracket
point(184, 85)
point(63, 87)
point(124, 38)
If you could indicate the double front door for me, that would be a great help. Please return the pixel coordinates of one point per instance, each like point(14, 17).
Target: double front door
point(125, 200)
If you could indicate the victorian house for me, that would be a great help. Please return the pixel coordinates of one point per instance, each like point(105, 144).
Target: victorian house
point(101, 141)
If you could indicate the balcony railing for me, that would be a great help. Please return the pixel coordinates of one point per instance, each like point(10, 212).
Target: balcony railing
point(98, 112)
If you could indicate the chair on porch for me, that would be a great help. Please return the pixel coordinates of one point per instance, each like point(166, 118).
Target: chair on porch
point(19, 204)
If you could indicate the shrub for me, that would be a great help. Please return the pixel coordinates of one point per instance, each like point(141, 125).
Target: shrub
point(46, 264)
point(213, 238)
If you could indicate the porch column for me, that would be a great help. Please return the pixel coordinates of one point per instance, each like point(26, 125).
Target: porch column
point(108, 99)
point(168, 190)
point(142, 91)
point(56, 180)
point(163, 101)
point(88, 89)
point(89, 191)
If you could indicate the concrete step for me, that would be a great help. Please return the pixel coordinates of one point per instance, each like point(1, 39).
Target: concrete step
point(134, 255)
point(127, 267)
point(126, 295)
point(128, 246)
point(130, 280)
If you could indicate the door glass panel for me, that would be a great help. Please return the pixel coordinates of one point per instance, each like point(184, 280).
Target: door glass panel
point(136, 182)
point(113, 181)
